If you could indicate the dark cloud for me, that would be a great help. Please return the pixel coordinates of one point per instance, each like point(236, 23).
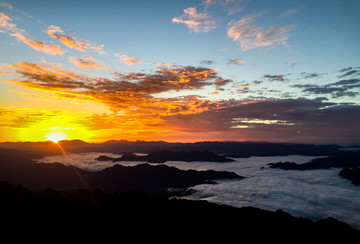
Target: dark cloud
point(207, 62)
point(351, 72)
point(350, 83)
point(257, 82)
point(238, 61)
point(275, 77)
point(345, 69)
point(306, 75)
point(337, 89)
point(296, 120)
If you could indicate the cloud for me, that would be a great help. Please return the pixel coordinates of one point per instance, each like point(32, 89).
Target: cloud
point(306, 75)
point(290, 12)
point(207, 62)
point(87, 62)
point(231, 6)
point(131, 93)
point(81, 45)
point(6, 25)
point(250, 37)
point(133, 99)
point(197, 22)
point(338, 89)
point(98, 49)
point(350, 71)
point(6, 5)
point(128, 60)
point(50, 63)
point(276, 77)
point(292, 120)
point(39, 46)
point(238, 61)
point(291, 64)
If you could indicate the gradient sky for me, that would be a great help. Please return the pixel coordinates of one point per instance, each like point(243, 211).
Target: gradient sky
point(282, 71)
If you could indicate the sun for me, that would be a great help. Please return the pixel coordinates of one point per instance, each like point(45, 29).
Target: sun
point(56, 137)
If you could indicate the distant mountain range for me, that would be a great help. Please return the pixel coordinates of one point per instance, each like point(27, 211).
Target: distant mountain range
point(17, 167)
point(232, 149)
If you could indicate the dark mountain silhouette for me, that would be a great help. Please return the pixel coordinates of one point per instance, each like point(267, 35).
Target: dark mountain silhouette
point(233, 149)
point(163, 156)
point(352, 174)
point(18, 168)
point(343, 160)
point(52, 214)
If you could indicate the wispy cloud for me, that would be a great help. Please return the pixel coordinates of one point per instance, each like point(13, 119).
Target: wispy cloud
point(68, 41)
point(249, 36)
point(276, 77)
point(6, 5)
point(231, 6)
point(39, 46)
point(350, 71)
point(82, 45)
point(290, 12)
point(291, 64)
point(128, 60)
point(50, 63)
point(238, 61)
point(306, 75)
point(6, 25)
point(342, 88)
point(197, 22)
point(87, 62)
point(207, 62)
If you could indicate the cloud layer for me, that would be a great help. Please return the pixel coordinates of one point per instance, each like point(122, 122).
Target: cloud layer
point(134, 99)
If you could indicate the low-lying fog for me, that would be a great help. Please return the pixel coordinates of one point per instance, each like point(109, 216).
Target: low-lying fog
point(313, 194)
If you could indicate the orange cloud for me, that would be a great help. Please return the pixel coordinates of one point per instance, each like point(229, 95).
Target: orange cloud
point(39, 46)
point(81, 45)
point(86, 62)
point(129, 93)
point(6, 25)
point(128, 60)
point(68, 41)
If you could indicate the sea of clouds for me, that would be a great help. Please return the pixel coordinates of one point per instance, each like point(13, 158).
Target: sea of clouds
point(313, 194)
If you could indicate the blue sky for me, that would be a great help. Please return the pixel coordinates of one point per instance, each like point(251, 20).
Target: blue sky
point(253, 51)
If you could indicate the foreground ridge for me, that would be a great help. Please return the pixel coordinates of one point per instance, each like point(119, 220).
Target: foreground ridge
point(136, 211)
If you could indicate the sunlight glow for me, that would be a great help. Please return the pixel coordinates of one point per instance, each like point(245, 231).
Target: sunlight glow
point(56, 137)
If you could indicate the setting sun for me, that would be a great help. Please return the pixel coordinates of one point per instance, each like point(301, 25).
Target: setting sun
point(56, 137)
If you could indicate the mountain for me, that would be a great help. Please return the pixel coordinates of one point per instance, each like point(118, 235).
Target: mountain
point(235, 149)
point(163, 156)
point(18, 168)
point(348, 161)
point(51, 215)
point(343, 160)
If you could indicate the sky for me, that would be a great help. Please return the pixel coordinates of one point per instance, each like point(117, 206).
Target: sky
point(180, 71)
